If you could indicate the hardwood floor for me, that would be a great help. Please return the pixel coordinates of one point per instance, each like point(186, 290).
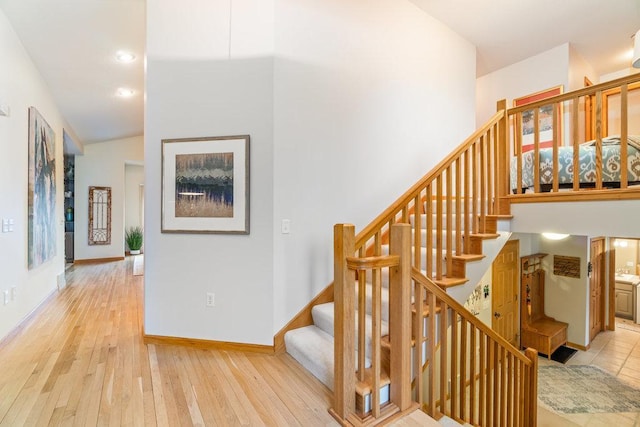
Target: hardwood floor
point(80, 360)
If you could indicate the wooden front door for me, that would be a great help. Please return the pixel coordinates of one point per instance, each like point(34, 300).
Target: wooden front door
point(596, 288)
point(505, 293)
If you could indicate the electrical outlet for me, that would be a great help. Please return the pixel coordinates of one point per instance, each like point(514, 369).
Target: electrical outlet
point(211, 299)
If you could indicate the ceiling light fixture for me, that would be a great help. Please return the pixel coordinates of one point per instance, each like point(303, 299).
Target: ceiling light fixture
point(125, 57)
point(635, 62)
point(124, 92)
point(555, 236)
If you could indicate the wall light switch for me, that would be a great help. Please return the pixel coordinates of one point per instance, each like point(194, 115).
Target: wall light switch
point(286, 226)
point(6, 297)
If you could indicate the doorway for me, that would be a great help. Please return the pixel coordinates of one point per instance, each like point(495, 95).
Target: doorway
point(505, 308)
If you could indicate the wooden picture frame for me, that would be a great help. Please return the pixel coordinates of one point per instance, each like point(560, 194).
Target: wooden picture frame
point(205, 185)
point(545, 116)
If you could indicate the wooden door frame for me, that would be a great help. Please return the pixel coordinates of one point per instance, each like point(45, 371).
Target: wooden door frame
point(602, 284)
point(518, 316)
point(611, 280)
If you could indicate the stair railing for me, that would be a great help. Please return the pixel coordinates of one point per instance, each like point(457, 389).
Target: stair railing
point(471, 182)
point(576, 117)
point(357, 388)
point(468, 372)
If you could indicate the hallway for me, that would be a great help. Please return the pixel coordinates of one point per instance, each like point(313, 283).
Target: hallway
point(80, 360)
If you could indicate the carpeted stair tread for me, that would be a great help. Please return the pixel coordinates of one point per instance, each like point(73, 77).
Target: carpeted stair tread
point(312, 348)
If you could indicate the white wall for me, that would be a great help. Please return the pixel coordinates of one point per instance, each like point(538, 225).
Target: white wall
point(21, 87)
point(368, 97)
point(103, 165)
point(194, 89)
point(567, 299)
point(333, 94)
point(539, 72)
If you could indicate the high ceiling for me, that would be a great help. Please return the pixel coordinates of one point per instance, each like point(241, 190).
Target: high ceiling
point(508, 31)
point(73, 44)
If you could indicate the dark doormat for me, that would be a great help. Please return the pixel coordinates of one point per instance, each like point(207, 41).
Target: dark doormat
point(563, 353)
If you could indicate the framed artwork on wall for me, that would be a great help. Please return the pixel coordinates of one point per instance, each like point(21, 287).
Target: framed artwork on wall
point(41, 195)
point(205, 185)
point(545, 119)
point(99, 215)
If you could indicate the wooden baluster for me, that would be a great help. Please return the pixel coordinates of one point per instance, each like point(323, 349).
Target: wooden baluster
point(344, 389)
point(431, 348)
point(376, 327)
point(599, 140)
point(503, 386)
point(556, 140)
point(463, 368)
point(429, 231)
point(624, 135)
point(417, 232)
point(491, 397)
point(536, 150)
point(483, 192)
point(362, 311)
point(503, 153)
point(458, 208)
point(405, 214)
point(473, 398)
point(453, 380)
point(377, 243)
point(400, 317)
point(517, 412)
point(518, 153)
point(532, 387)
point(482, 401)
point(491, 164)
point(474, 187)
point(509, 389)
point(467, 212)
point(444, 314)
point(439, 228)
point(420, 335)
point(576, 145)
point(449, 223)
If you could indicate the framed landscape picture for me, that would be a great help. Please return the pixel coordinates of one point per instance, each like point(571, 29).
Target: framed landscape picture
point(41, 191)
point(545, 119)
point(205, 185)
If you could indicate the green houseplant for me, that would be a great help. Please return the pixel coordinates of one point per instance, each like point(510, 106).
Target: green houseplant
point(133, 237)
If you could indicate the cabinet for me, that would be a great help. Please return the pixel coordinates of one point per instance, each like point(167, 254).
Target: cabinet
point(624, 300)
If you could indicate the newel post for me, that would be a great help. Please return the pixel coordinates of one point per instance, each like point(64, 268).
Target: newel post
point(400, 317)
point(502, 172)
point(344, 382)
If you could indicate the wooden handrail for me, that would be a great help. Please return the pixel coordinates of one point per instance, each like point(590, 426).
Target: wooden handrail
point(464, 313)
point(374, 226)
point(371, 262)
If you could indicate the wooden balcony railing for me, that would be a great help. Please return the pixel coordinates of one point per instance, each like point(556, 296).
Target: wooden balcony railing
point(565, 166)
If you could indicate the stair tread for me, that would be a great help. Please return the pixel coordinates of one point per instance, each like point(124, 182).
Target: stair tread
point(469, 257)
point(364, 387)
point(485, 236)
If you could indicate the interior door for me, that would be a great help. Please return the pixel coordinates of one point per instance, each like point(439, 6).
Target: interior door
point(504, 302)
point(596, 288)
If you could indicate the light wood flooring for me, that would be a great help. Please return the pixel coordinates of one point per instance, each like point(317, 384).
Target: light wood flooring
point(80, 360)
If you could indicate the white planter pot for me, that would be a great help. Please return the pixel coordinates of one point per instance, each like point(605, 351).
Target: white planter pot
point(135, 252)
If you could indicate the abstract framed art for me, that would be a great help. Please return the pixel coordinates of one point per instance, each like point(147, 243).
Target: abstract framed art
point(41, 191)
point(205, 185)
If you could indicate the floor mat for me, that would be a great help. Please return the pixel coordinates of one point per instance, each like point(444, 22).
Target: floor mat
point(563, 353)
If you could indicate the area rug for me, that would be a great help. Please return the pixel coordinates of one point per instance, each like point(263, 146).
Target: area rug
point(563, 353)
point(138, 265)
point(585, 390)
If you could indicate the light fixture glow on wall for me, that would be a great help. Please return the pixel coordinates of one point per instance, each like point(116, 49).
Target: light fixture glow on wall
point(555, 236)
point(124, 56)
point(620, 243)
point(635, 62)
point(125, 93)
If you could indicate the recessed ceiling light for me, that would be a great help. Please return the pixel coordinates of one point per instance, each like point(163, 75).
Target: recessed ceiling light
point(124, 56)
point(555, 236)
point(124, 92)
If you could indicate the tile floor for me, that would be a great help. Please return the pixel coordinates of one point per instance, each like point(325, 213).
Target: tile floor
point(617, 352)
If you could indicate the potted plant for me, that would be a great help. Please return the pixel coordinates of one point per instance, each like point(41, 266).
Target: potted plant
point(133, 237)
